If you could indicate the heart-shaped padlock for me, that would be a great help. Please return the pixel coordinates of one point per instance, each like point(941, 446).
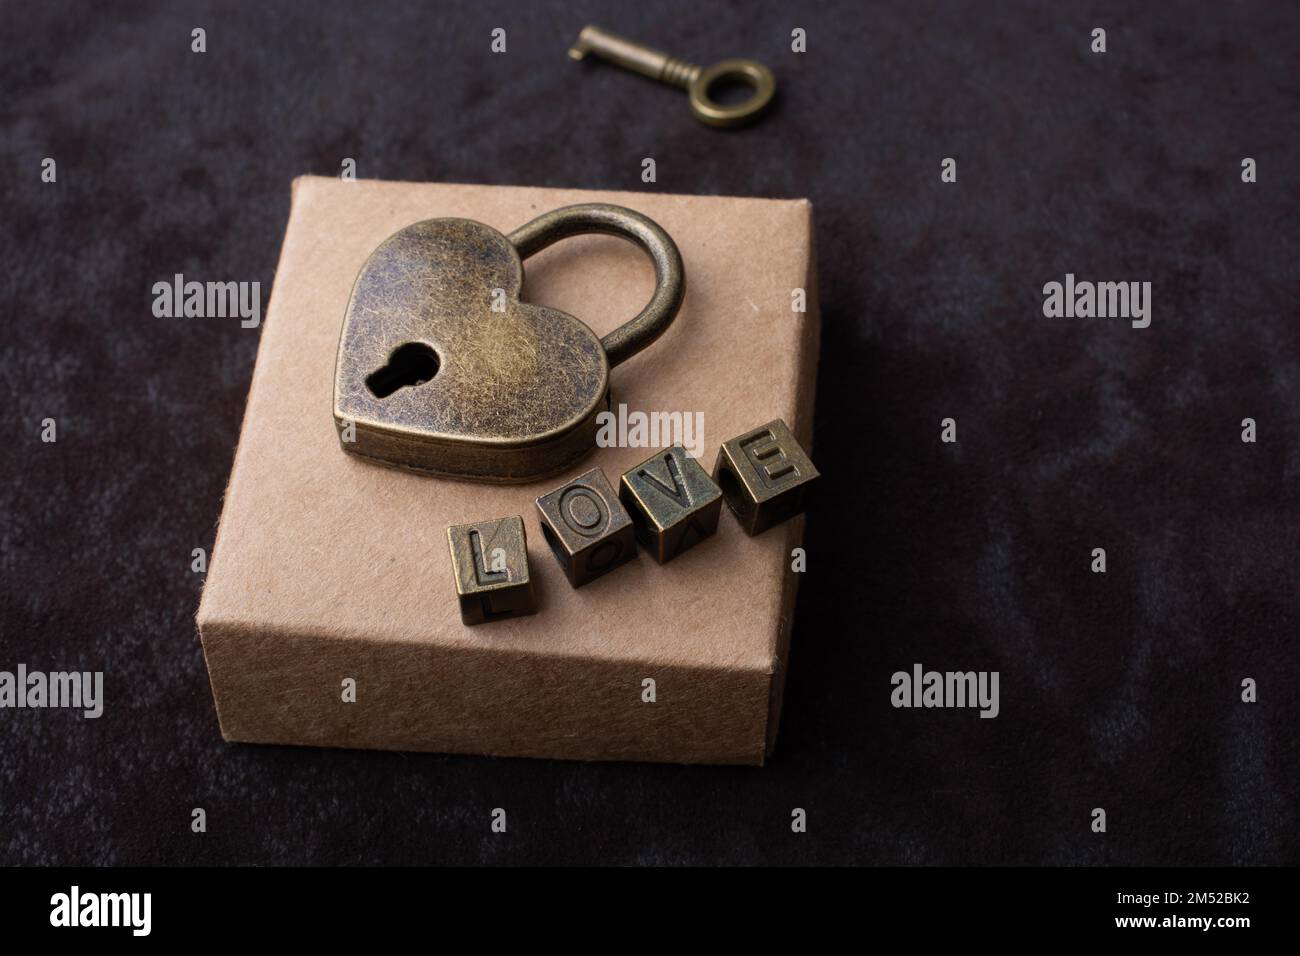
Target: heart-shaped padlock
point(442, 369)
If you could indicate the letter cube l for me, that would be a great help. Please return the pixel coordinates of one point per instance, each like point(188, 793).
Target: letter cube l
point(490, 562)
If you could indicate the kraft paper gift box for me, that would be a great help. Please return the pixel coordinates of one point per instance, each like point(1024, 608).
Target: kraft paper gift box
point(328, 568)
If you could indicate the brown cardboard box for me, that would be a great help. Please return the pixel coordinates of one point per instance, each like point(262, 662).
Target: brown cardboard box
point(328, 567)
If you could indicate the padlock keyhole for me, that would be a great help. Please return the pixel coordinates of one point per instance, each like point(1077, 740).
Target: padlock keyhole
point(411, 364)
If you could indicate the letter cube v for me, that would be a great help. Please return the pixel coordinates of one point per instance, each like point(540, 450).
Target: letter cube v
point(673, 502)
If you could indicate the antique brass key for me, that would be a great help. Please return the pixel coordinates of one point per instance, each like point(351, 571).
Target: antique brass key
point(697, 81)
point(442, 369)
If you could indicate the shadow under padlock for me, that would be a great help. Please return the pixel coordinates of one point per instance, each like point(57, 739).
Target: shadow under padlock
point(432, 378)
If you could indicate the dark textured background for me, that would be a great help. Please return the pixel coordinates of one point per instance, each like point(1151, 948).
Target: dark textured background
point(1119, 691)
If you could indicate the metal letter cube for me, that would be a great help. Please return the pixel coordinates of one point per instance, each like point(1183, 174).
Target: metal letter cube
point(587, 527)
point(765, 476)
point(673, 502)
point(490, 561)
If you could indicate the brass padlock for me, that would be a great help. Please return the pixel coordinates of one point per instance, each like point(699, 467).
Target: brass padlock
point(442, 369)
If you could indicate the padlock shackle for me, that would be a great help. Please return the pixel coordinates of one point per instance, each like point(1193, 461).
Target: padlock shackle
point(670, 276)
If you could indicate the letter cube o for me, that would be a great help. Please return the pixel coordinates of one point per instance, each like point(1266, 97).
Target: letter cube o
point(587, 527)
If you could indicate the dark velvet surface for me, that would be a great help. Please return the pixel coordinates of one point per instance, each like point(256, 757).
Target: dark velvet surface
point(1119, 690)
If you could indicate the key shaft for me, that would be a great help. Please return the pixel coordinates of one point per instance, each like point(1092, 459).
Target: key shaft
point(633, 56)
